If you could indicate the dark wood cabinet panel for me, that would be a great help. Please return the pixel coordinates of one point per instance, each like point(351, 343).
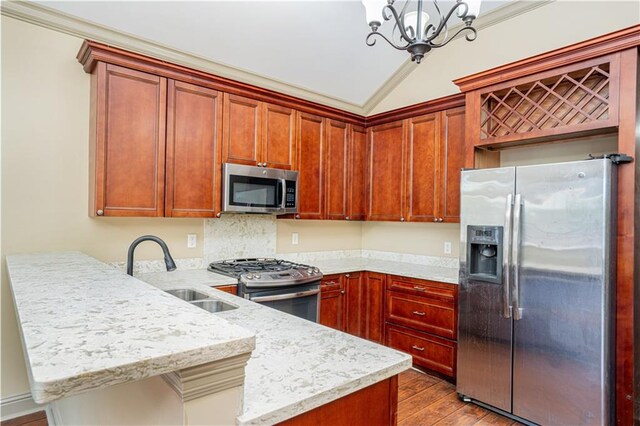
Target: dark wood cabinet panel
point(194, 130)
point(451, 162)
point(242, 134)
point(356, 173)
point(434, 290)
point(127, 142)
point(428, 351)
point(423, 185)
point(332, 302)
point(336, 170)
point(354, 304)
point(386, 158)
point(231, 289)
point(310, 162)
point(374, 306)
point(278, 137)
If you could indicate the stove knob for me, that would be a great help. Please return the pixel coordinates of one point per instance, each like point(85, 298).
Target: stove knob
point(316, 270)
point(256, 276)
point(310, 271)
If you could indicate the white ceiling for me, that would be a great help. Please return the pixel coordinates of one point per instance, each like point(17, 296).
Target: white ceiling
point(315, 45)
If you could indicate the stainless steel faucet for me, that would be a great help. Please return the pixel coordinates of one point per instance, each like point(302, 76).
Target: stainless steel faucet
point(168, 260)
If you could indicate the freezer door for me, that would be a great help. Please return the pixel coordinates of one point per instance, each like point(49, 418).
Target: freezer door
point(561, 330)
point(484, 329)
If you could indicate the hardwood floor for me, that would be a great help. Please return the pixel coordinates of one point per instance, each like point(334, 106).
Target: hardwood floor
point(426, 400)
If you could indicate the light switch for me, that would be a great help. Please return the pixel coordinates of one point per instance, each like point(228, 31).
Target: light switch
point(294, 238)
point(192, 240)
point(447, 247)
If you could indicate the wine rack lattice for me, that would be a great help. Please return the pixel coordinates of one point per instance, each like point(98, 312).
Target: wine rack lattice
point(569, 99)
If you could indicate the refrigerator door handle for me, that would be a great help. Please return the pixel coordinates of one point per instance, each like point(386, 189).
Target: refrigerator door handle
point(515, 256)
point(506, 248)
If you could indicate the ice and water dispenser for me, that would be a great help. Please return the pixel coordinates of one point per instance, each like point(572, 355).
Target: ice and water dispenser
point(484, 253)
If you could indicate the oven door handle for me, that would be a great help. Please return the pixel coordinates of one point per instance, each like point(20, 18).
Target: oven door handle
point(285, 296)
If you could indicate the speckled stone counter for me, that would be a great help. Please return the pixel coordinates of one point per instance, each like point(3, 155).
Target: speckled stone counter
point(86, 325)
point(297, 365)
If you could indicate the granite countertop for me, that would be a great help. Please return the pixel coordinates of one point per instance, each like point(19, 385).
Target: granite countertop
point(85, 325)
point(297, 365)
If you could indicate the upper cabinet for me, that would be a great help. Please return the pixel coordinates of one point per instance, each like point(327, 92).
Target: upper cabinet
point(356, 173)
point(310, 141)
point(414, 168)
point(127, 142)
point(337, 141)
point(386, 161)
point(194, 129)
point(278, 137)
point(242, 137)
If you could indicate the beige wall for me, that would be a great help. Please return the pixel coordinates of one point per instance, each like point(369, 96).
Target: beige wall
point(426, 239)
point(45, 127)
point(545, 28)
point(318, 235)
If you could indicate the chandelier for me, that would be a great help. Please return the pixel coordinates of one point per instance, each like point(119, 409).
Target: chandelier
point(415, 31)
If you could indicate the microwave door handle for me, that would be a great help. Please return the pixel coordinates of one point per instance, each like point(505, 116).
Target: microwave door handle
point(283, 189)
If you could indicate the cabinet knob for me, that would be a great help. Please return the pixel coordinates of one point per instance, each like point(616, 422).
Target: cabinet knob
point(297, 216)
point(440, 220)
point(259, 164)
point(347, 218)
point(402, 219)
point(218, 214)
point(100, 212)
point(342, 292)
point(347, 275)
point(435, 219)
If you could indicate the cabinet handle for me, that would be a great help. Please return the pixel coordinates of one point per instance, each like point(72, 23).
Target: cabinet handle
point(440, 220)
point(347, 275)
point(418, 313)
point(342, 292)
point(100, 212)
point(435, 219)
point(417, 287)
point(347, 218)
point(330, 283)
point(402, 219)
point(297, 216)
point(417, 348)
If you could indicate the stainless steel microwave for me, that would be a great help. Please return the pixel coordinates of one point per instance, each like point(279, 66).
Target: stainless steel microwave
point(249, 189)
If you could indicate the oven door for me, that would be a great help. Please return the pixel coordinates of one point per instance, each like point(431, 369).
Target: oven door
point(302, 300)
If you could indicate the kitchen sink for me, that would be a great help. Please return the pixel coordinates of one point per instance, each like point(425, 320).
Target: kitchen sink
point(187, 295)
point(213, 305)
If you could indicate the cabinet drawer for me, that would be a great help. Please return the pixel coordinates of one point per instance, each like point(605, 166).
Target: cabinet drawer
point(428, 351)
point(422, 313)
point(331, 283)
point(431, 289)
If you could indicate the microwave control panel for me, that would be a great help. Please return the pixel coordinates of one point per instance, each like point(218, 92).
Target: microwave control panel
point(290, 194)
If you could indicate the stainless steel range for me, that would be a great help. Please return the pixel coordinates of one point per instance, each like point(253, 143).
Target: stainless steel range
point(280, 284)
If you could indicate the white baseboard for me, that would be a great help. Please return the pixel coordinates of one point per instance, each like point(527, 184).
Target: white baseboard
point(18, 405)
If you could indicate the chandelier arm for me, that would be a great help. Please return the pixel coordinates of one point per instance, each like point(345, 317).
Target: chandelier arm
point(399, 23)
point(445, 19)
point(470, 37)
point(372, 42)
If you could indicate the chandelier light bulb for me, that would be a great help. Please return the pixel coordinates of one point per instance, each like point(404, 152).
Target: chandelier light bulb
point(411, 20)
point(373, 12)
point(473, 10)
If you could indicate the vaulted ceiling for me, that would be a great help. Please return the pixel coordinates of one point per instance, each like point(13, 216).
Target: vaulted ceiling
point(314, 45)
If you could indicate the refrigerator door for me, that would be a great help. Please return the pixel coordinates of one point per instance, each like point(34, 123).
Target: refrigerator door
point(561, 369)
point(484, 326)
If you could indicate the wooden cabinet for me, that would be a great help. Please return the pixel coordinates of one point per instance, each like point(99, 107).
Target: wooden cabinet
point(373, 298)
point(422, 320)
point(336, 170)
point(194, 130)
point(310, 140)
point(242, 135)
point(332, 302)
point(231, 289)
point(386, 164)
point(278, 148)
point(356, 173)
point(354, 304)
point(127, 150)
point(451, 162)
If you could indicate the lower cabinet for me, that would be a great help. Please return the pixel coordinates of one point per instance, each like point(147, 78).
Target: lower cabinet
point(427, 350)
point(332, 302)
point(232, 289)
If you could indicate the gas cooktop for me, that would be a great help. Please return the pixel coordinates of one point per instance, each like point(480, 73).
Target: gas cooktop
point(266, 272)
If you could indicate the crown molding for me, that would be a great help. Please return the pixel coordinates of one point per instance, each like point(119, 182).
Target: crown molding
point(50, 18)
point(489, 19)
point(447, 102)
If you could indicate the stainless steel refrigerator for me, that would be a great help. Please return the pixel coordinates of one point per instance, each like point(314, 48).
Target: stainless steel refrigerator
point(535, 300)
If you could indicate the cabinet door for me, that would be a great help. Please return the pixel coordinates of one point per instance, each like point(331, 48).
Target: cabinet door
point(242, 130)
point(422, 168)
point(128, 145)
point(278, 137)
point(386, 172)
point(310, 162)
point(332, 302)
point(336, 170)
point(451, 161)
point(356, 173)
point(374, 302)
point(354, 304)
point(194, 125)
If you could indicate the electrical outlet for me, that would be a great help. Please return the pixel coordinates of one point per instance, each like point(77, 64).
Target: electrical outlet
point(294, 238)
point(447, 247)
point(192, 240)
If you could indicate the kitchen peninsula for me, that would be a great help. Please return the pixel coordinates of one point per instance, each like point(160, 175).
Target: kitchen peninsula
point(295, 368)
